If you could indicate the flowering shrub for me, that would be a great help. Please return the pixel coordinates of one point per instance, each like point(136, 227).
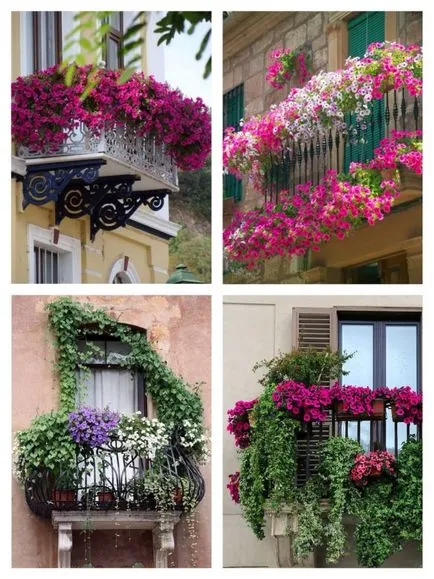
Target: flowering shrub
point(285, 63)
point(234, 486)
point(142, 435)
point(302, 402)
point(408, 404)
point(372, 464)
point(313, 215)
point(45, 110)
point(91, 426)
point(238, 422)
point(323, 103)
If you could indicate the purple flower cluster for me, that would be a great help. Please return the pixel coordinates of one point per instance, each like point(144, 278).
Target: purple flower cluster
point(92, 426)
point(233, 486)
point(238, 422)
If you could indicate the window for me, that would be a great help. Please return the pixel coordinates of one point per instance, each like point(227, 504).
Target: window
point(233, 112)
point(46, 265)
point(121, 277)
point(113, 58)
point(364, 29)
point(388, 270)
point(110, 384)
point(50, 262)
point(123, 271)
point(387, 353)
point(47, 39)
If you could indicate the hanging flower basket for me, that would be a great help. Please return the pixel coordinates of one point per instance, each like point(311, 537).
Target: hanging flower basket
point(378, 412)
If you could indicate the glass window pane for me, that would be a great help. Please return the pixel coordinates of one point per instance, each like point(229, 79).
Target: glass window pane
point(359, 338)
point(401, 370)
point(97, 357)
point(112, 54)
point(117, 351)
point(115, 20)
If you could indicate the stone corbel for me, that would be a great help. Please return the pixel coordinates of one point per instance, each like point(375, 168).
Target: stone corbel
point(164, 542)
point(64, 545)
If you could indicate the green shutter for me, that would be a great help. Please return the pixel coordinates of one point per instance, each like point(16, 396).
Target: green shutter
point(233, 112)
point(364, 29)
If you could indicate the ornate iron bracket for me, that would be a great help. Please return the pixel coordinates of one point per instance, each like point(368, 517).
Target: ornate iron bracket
point(77, 190)
point(45, 182)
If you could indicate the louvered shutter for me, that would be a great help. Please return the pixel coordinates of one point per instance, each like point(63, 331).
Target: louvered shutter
point(233, 112)
point(313, 328)
point(364, 29)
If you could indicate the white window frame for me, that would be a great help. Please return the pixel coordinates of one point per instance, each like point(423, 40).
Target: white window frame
point(68, 248)
point(130, 273)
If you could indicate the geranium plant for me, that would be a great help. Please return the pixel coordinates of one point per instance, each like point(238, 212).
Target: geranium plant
point(238, 422)
point(373, 464)
point(92, 427)
point(285, 64)
point(45, 109)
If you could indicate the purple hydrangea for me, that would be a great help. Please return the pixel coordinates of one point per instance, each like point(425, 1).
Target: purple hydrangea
point(92, 426)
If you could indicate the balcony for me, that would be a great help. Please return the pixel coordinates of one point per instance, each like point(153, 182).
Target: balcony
point(113, 478)
point(379, 434)
point(121, 150)
point(308, 161)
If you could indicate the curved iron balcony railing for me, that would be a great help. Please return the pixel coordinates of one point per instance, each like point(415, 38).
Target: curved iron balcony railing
point(112, 477)
point(142, 154)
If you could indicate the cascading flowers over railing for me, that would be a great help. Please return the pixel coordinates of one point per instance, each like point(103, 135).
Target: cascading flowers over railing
point(45, 109)
point(301, 221)
point(315, 214)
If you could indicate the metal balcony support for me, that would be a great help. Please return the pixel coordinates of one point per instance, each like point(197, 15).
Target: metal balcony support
point(45, 182)
point(77, 190)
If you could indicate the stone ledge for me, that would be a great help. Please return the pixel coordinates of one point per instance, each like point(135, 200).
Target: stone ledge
point(103, 520)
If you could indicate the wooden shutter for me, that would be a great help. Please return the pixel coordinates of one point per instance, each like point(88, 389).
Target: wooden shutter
point(313, 328)
point(364, 29)
point(233, 112)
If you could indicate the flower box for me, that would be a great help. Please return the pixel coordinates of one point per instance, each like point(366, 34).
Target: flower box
point(378, 412)
point(104, 497)
point(63, 496)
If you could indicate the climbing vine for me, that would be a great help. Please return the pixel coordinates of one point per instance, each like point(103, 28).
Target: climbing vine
point(174, 400)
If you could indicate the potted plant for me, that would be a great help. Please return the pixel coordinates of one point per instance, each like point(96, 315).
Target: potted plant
point(92, 427)
point(372, 466)
point(239, 422)
point(356, 403)
point(144, 436)
point(406, 405)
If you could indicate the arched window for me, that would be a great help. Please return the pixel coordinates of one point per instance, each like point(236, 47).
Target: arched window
point(119, 274)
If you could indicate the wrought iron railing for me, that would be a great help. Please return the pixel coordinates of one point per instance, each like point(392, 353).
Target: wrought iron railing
point(113, 477)
point(384, 434)
point(142, 153)
point(308, 161)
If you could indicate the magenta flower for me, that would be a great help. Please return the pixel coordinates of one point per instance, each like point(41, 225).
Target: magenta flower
point(238, 422)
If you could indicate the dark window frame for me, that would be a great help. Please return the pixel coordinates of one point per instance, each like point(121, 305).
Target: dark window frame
point(233, 187)
point(115, 35)
point(36, 21)
point(142, 398)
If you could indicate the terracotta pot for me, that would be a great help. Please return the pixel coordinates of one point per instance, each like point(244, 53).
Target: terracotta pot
point(63, 495)
point(377, 412)
point(177, 496)
point(105, 497)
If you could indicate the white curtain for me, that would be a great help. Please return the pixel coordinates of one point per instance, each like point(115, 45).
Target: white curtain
point(114, 388)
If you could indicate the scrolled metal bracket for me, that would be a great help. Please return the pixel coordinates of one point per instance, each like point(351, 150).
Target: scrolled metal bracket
point(114, 209)
point(46, 181)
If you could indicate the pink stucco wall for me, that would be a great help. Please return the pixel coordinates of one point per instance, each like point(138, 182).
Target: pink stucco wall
point(180, 327)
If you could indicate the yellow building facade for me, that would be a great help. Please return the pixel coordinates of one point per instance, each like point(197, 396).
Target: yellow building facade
point(43, 252)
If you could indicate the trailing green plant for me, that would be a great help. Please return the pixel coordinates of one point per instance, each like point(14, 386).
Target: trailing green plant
point(409, 490)
point(48, 444)
point(175, 401)
point(310, 534)
point(308, 366)
point(268, 465)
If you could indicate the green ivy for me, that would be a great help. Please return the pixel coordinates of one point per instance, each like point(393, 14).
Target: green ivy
point(268, 466)
point(173, 398)
point(409, 487)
